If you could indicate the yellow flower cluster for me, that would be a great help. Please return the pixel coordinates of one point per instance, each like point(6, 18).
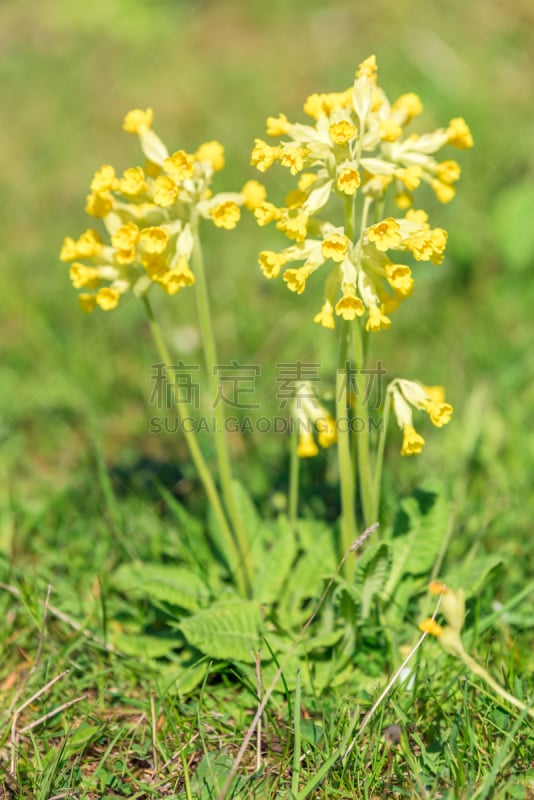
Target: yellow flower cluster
point(357, 147)
point(404, 396)
point(150, 215)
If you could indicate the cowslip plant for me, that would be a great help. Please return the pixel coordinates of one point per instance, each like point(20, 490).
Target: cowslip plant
point(354, 155)
point(351, 162)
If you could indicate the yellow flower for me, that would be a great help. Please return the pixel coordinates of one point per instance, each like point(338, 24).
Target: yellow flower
point(99, 205)
point(87, 302)
point(296, 278)
point(254, 194)
point(125, 238)
point(294, 225)
point(439, 413)
point(432, 627)
point(292, 156)
point(104, 179)
point(107, 298)
point(295, 198)
point(458, 134)
point(389, 130)
point(326, 427)
point(179, 166)
point(138, 121)
point(175, 279)
point(377, 321)
point(133, 181)
point(412, 443)
point(69, 250)
point(153, 240)
point(348, 179)
point(368, 69)
point(325, 317)
point(350, 306)
point(266, 212)
point(165, 191)
point(443, 191)
point(225, 215)
point(409, 105)
point(403, 200)
point(306, 181)
point(400, 279)
point(213, 153)
point(448, 171)
point(410, 177)
point(335, 246)
point(306, 446)
point(83, 276)
point(342, 132)
point(277, 126)
point(263, 155)
point(385, 234)
point(271, 263)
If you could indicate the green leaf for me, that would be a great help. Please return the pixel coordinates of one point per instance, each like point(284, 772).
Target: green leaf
point(225, 630)
point(513, 230)
point(472, 575)
point(276, 564)
point(371, 575)
point(166, 583)
point(143, 646)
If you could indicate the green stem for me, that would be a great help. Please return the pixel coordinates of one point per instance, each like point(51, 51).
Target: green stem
point(365, 473)
point(294, 480)
point(223, 457)
point(475, 667)
point(232, 552)
point(346, 472)
point(379, 462)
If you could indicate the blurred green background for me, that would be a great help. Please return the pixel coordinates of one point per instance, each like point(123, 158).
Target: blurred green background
point(72, 383)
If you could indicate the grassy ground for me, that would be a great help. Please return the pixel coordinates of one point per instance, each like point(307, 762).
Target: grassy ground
point(77, 495)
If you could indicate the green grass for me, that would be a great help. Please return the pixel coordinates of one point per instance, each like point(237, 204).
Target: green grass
point(80, 495)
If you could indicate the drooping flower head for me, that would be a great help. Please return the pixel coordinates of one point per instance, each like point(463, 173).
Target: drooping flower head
point(405, 395)
point(150, 214)
point(357, 147)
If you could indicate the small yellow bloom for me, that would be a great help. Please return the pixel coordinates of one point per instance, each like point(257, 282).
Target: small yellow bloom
point(335, 246)
point(368, 69)
point(296, 278)
point(439, 413)
point(292, 156)
point(385, 234)
point(125, 238)
point(350, 306)
point(443, 191)
point(254, 194)
point(225, 215)
point(213, 153)
point(271, 263)
point(138, 121)
point(263, 155)
point(154, 240)
point(448, 171)
point(306, 446)
point(107, 298)
point(295, 198)
point(348, 179)
point(104, 179)
point(99, 204)
point(306, 180)
point(133, 181)
point(377, 321)
point(342, 132)
point(325, 317)
point(179, 166)
point(458, 134)
point(417, 215)
point(175, 279)
point(409, 104)
point(277, 126)
point(83, 276)
point(327, 433)
point(266, 212)
point(89, 244)
point(69, 250)
point(400, 279)
point(432, 627)
point(165, 191)
point(410, 177)
point(412, 443)
point(87, 302)
point(294, 225)
point(389, 130)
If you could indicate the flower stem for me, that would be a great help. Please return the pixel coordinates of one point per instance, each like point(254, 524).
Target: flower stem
point(477, 669)
point(294, 476)
point(379, 461)
point(232, 553)
point(367, 489)
point(223, 457)
point(346, 473)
